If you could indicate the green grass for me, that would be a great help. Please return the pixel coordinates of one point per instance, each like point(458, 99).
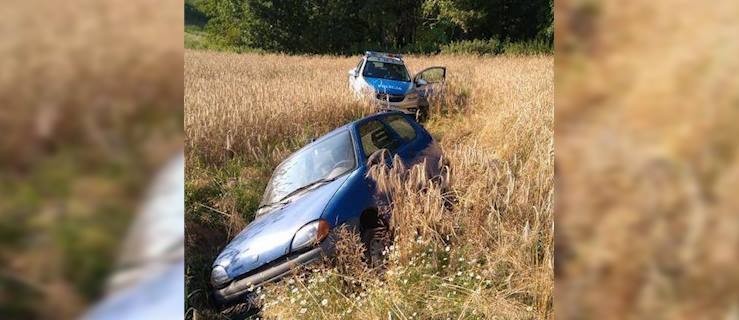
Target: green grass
point(219, 201)
point(197, 38)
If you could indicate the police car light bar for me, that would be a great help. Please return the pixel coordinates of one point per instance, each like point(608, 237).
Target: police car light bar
point(384, 54)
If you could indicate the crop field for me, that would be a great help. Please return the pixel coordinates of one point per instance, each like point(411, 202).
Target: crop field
point(647, 161)
point(490, 254)
point(87, 120)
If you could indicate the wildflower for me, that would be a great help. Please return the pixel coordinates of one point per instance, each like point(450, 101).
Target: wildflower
point(303, 310)
point(447, 248)
point(324, 302)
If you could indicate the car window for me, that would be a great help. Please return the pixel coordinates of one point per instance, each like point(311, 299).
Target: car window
point(375, 136)
point(432, 75)
point(325, 159)
point(402, 127)
point(385, 70)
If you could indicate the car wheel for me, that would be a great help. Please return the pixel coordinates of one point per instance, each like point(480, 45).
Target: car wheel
point(375, 241)
point(423, 114)
point(239, 311)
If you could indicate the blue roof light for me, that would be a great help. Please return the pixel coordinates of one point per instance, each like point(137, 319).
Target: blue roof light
point(383, 54)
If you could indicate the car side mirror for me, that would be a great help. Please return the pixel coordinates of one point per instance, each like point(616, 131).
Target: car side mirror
point(353, 72)
point(421, 82)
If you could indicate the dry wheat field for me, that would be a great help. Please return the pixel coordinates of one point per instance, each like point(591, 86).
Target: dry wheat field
point(91, 96)
point(647, 164)
point(488, 255)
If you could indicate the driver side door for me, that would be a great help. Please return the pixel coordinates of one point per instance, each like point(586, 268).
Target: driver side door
point(354, 75)
point(430, 81)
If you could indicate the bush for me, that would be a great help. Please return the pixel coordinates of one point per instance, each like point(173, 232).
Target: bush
point(197, 39)
point(494, 47)
point(477, 46)
point(536, 46)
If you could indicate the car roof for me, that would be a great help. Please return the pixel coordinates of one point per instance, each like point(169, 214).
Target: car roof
point(342, 129)
point(384, 57)
point(386, 60)
point(353, 124)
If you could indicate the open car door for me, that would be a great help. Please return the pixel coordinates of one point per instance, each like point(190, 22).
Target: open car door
point(430, 81)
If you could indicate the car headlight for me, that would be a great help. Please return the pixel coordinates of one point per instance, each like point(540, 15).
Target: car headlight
point(412, 95)
point(218, 276)
point(310, 234)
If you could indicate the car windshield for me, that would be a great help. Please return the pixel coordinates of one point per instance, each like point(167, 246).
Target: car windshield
point(386, 70)
point(321, 161)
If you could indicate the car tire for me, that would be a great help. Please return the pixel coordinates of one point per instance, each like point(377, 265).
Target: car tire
point(239, 311)
point(375, 240)
point(423, 114)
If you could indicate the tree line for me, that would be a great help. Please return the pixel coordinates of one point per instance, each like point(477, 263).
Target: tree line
point(353, 26)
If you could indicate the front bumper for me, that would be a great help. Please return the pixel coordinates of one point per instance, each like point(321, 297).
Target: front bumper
point(411, 110)
point(406, 106)
point(271, 272)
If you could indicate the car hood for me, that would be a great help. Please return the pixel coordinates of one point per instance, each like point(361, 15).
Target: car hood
point(269, 236)
point(389, 86)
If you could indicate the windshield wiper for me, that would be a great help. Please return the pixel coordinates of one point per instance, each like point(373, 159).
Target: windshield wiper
point(296, 191)
point(268, 205)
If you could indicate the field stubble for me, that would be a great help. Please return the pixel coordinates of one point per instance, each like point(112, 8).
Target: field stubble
point(491, 254)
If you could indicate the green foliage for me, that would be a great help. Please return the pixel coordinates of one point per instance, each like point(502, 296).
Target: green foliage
point(536, 46)
point(193, 15)
point(201, 40)
point(233, 189)
point(481, 47)
point(353, 26)
point(494, 47)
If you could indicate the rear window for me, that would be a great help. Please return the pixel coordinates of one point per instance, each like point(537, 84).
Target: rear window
point(375, 136)
point(401, 125)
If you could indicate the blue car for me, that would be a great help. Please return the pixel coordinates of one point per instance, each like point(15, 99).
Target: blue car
point(315, 190)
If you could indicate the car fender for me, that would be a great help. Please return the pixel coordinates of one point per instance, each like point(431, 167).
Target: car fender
point(353, 198)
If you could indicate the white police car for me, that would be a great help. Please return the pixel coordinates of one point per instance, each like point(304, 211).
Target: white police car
point(384, 79)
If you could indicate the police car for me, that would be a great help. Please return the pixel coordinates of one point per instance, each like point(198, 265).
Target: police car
point(384, 79)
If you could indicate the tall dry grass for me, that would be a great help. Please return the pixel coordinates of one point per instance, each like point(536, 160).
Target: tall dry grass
point(91, 96)
point(255, 106)
point(489, 254)
point(647, 97)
